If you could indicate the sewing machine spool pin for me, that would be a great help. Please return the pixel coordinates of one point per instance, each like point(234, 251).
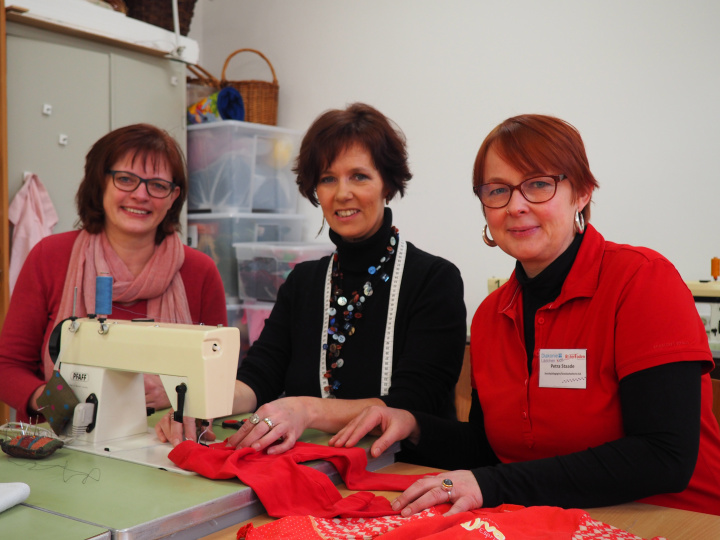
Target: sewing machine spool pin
point(103, 328)
point(103, 301)
point(74, 325)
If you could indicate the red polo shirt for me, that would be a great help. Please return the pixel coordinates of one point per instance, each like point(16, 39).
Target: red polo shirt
point(627, 309)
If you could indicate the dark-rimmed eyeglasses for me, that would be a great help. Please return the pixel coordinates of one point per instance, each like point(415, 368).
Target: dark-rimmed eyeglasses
point(538, 189)
point(156, 187)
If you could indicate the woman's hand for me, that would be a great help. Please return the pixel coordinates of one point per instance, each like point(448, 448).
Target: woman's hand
point(279, 423)
point(155, 395)
point(430, 491)
point(33, 407)
point(168, 430)
point(395, 425)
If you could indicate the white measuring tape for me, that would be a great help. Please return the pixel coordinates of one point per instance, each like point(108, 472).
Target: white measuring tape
point(386, 374)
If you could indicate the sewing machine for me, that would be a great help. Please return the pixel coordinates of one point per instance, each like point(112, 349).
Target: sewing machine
point(104, 360)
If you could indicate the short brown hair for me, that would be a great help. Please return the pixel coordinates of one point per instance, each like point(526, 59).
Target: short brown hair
point(537, 143)
point(143, 142)
point(336, 130)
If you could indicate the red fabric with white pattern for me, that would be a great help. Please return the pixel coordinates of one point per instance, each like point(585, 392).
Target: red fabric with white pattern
point(506, 522)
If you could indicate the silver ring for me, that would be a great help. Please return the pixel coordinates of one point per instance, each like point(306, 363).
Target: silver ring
point(254, 419)
point(269, 423)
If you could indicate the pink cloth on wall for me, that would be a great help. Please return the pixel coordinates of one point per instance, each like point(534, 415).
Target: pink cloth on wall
point(33, 215)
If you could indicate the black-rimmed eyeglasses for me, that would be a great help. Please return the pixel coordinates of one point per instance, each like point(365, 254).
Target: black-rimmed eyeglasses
point(156, 187)
point(538, 189)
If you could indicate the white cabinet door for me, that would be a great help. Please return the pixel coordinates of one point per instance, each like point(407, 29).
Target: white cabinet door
point(74, 86)
point(150, 90)
point(88, 88)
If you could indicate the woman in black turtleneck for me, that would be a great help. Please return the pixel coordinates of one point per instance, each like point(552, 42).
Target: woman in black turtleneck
point(590, 365)
point(378, 323)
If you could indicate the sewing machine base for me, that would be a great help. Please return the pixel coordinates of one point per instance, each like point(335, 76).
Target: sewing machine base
point(143, 449)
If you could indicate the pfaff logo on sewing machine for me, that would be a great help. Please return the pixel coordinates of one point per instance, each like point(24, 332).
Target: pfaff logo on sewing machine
point(79, 377)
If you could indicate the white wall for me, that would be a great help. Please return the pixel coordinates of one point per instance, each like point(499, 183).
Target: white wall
point(638, 78)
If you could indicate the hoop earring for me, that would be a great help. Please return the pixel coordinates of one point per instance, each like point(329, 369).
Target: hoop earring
point(579, 222)
point(489, 241)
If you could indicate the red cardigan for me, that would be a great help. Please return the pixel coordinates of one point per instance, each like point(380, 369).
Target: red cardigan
point(34, 306)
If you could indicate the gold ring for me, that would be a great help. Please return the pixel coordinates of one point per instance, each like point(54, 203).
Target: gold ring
point(269, 423)
point(447, 485)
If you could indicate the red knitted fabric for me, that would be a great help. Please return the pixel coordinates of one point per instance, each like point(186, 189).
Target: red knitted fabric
point(506, 522)
point(287, 488)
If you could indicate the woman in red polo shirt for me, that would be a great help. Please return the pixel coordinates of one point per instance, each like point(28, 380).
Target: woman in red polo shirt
point(590, 365)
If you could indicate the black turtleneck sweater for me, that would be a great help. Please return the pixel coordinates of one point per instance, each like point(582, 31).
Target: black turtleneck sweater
point(429, 339)
point(543, 289)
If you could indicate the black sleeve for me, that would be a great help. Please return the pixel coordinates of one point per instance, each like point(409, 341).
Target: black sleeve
point(450, 444)
point(266, 363)
point(661, 419)
point(430, 336)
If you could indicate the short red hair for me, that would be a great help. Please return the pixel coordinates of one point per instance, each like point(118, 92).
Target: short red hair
point(535, 143)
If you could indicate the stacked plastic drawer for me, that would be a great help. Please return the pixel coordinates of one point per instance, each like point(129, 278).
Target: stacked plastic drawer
point(242, 212)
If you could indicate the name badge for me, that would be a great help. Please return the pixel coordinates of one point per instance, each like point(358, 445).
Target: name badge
point(563, 368)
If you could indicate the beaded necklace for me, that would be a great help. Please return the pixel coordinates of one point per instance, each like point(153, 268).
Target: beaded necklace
point(345, 309)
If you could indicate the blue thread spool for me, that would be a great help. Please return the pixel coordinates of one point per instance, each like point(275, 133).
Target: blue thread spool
point(103, 295)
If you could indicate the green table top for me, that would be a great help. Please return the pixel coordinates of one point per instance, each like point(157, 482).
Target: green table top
point(24, 522)
point(138, 501)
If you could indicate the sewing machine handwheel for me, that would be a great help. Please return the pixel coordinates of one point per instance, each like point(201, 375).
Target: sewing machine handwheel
point(92, 398)
point(54, 341)
point(181, 390)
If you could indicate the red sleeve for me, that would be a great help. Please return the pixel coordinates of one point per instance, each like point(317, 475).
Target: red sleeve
point(657, 321)
point(204, 289)
point(30, 319)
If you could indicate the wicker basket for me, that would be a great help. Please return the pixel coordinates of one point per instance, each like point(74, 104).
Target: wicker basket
point(259, 97)
point(160, 13)
point(200, 86)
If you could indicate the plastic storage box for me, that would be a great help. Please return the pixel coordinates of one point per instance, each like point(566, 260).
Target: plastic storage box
point(250, 320)
point(215, 234)
point(263, 267)
point(242, 167)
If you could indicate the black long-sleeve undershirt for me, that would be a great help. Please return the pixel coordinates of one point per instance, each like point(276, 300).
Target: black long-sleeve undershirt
point(661, 419)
